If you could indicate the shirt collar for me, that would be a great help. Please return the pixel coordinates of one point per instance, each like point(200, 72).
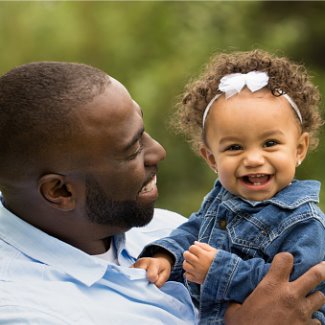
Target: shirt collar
point(49, 250)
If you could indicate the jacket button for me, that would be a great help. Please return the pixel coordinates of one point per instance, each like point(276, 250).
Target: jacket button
point(222, 224)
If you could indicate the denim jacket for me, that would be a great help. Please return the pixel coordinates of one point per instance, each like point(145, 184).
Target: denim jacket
point(247, 234)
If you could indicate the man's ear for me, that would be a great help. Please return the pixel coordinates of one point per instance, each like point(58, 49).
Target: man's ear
point(208, 156)
point(302, 147)
point(57, 192)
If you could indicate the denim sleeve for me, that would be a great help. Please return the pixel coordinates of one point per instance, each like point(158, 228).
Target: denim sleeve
point(306, 241)
point(183, 236)
point(320, 315)
point(231, 278)
point(308, 250)
point(178, 241)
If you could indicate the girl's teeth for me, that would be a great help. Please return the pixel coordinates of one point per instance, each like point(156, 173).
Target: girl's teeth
point(258, 179)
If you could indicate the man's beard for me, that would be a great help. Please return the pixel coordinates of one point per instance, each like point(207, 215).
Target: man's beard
point(122, 214)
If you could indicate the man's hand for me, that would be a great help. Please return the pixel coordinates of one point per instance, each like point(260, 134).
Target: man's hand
point(158, 268)
point(197, 260)
point(276, 301)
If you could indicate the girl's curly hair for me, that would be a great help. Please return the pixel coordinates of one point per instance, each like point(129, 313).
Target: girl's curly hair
point(284, 77)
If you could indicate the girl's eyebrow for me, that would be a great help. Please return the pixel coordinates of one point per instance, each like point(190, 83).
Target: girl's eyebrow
point(229, 139)
point(272, 133)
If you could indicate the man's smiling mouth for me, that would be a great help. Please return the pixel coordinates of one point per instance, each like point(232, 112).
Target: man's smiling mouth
point(150, 185)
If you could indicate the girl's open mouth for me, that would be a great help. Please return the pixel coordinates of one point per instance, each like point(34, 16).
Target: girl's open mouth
point(256, 179)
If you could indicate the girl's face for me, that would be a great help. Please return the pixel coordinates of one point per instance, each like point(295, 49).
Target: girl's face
point(254, 142)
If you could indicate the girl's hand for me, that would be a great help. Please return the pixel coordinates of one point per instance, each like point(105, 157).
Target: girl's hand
point(158, 268)
point(197, 261)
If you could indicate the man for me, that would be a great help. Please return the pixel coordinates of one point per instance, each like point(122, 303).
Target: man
point(77, 172)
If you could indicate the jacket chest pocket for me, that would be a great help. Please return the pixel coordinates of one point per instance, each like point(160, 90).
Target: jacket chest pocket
point(206, 229)
point(248, 236)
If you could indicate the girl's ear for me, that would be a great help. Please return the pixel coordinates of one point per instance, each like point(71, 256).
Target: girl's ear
point(57, 192)
point(208, 156)
point(302, 147)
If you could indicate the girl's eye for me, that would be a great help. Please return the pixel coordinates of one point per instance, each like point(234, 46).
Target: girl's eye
point(234, 147)
point(270, 143)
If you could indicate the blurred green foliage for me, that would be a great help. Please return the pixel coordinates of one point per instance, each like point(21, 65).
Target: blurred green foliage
point(154, 48)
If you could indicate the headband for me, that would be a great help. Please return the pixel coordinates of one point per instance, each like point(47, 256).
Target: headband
point(232, 84)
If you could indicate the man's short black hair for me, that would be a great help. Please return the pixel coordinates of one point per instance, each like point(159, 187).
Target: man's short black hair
point(38, 102)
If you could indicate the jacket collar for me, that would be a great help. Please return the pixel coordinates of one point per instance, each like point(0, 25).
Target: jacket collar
point(291, 197)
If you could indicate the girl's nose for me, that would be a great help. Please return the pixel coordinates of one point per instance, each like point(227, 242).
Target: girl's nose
point(253, 158)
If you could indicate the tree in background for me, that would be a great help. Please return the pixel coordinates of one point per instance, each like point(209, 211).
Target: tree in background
point(154, 48)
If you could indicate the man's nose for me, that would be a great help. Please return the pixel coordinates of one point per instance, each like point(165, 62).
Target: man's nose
point(154, 151)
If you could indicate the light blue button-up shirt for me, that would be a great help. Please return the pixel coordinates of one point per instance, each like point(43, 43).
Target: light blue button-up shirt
point(46, 281)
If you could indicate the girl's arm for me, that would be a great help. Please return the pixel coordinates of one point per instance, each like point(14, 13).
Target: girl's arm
point(231, 278)
point(278, 301)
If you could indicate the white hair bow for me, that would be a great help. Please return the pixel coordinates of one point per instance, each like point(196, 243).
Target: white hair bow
point(233, 83)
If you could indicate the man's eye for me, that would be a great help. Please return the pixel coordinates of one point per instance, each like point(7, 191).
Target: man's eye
point(234, 147)
point(139, 150)
point(270, 143)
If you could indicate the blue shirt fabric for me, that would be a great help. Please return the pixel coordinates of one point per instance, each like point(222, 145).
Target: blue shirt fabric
point(248, 234)
point(46, 281)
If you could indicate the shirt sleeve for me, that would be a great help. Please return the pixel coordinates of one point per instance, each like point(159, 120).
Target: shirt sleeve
point(21, 315)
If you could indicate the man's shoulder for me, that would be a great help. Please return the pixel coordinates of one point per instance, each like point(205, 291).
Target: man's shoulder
point(162, 223)
point(166, 218)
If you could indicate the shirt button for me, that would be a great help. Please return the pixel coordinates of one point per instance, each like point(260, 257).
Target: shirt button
point(222, 224)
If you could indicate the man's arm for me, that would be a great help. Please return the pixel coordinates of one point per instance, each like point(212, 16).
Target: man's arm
point(277, 301)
